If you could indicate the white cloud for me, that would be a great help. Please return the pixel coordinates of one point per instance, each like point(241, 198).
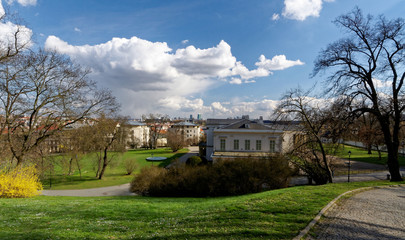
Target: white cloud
point(301, 9)
point(184, 41)
point(148, 76)
point(278, 62)
point(77, 29)
point(381, 84)
point(7, 37)
point(2, 12)
point(275, 17)
point(23, 2)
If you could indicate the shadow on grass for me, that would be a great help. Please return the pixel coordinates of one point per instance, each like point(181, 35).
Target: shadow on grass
point(171, 159)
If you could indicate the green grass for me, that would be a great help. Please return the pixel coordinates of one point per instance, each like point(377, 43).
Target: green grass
point(360, 154)
point(277, 214)
point(114, 175)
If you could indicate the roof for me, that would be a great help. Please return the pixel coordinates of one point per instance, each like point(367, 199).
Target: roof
point(247, 124)
point(185, 124)
point(136, 123)
point(213, 121)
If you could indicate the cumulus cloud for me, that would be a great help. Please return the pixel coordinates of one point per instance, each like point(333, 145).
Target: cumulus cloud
point(184, 41)
point(301, 9)
point(8, 30)
point(381, 84)
point(278, 62)
point(275, 17)
point(77, 29)
point(150, 75)
point(23, 2)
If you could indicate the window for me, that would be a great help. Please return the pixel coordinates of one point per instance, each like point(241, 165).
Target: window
point(247, 144)
point(258, 145)
point(236, 144)
point(222, 147)
point(272, 146)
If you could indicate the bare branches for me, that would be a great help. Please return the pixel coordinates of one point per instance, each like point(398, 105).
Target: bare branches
point(369, 68)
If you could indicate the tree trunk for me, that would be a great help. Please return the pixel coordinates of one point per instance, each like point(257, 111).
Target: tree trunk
point(393, 166)
point(369, 149)
point(105, 163)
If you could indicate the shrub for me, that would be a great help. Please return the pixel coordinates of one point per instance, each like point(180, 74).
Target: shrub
point(193, 161)
point(227, 177)
point(148, 175)
point(130, 165)
point(19, 183)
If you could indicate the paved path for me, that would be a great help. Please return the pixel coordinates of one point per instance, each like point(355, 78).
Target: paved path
point(374, 214)
point(121, 190)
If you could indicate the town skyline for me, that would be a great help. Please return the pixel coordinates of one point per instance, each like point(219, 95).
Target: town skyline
point(181, 58)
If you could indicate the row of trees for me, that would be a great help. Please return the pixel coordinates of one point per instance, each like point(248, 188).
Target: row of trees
point(365, 88)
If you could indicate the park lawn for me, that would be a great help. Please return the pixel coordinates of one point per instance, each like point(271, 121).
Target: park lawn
point(277, 214)
point(115, 173)
point(360, 154)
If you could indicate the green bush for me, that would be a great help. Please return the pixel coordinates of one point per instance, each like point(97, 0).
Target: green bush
point(225, 178)
point(194, 161)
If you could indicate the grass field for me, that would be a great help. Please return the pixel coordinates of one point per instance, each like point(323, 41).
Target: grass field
point(359, 154)
point(277, 214)
point(114, 175)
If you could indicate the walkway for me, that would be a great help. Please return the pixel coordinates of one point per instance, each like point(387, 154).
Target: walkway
point(374, 214)
point(121, 190)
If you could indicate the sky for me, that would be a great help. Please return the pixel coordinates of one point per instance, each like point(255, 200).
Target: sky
point(217, 58)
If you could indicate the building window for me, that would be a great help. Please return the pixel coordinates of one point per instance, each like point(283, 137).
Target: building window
point(222, 144)
point(258, 145)
point(247, 144)
point(236, 144)
point(272, 146)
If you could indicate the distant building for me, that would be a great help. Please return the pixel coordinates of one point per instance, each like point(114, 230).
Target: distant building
point(138, 135)
point(189, 131)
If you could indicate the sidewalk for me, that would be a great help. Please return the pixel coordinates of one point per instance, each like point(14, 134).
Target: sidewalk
point(374, 214)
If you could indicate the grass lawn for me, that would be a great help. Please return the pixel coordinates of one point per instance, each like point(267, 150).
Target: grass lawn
point(277, 214)
point(114, 175)
point(360, 154)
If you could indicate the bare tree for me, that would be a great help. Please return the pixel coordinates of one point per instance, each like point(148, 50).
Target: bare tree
point(155, 123)
point(175, 139)
point(41, 93)
point(368, 70)
point(317, 124)
point(108, 137)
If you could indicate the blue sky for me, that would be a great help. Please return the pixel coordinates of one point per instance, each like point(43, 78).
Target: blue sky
point(180, 57)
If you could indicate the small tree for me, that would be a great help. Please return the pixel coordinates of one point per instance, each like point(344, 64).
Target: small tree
point(317, 124)
point(175, 139)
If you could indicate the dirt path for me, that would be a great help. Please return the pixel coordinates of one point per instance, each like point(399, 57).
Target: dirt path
point(121, 190)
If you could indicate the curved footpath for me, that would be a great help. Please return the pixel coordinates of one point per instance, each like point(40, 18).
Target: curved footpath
point(374, 214)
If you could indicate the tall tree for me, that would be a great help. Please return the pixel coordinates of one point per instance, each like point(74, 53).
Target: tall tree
point(41, 93)
point(368, 72)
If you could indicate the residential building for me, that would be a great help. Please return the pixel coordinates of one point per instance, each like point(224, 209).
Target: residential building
point(189, 131)
point(138, 135)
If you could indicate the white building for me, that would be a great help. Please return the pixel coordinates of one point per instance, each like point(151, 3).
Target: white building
point(189, 131)
point(234, 138)
point(138, 134)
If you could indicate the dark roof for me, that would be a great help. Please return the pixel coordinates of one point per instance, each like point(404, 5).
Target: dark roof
point(213, 121)
point(247, 124)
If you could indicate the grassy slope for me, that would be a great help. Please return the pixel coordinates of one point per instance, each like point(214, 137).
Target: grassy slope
point(359, 154)
point(114, 175)
point(278, 214)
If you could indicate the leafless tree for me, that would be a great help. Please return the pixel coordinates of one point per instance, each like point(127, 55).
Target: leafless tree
point(155, 123)
point(317, 125)
point(175, 139)
point(368, 70)
point(41, 93)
